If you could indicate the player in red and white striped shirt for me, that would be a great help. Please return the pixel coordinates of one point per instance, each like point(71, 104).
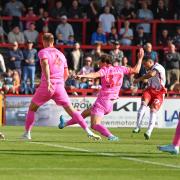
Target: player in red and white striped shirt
point(153, 95)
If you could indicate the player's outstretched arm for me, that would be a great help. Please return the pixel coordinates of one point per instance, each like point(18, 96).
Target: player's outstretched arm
point(146, 76)
point(137, 67)
point(90, 75)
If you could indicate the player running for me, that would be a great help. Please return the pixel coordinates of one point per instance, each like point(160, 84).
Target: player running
point(111, 81)
point(153, 95)
point(174, 147)
point(54, 74)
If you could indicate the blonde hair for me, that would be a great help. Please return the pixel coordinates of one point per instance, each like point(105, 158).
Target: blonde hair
point(48, 37)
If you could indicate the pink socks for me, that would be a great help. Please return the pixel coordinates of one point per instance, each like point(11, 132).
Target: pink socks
point(102, 129)
point(29, 120)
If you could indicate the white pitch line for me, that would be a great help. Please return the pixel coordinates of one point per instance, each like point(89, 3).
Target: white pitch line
point(107, 154)
point(79, 169)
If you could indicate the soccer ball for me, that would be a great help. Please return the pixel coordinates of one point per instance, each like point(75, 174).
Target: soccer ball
point(2, 137)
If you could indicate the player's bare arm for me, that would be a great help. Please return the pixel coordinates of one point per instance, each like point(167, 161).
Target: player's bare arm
point(90, 75)
point(137, 67)
point(146, 76)
point(45, 68)
point(66, 73)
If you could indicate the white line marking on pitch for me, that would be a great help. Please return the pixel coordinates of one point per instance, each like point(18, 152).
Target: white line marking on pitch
point(107, 154)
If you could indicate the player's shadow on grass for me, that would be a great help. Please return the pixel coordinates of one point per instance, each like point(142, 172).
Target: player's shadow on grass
point(86, 154)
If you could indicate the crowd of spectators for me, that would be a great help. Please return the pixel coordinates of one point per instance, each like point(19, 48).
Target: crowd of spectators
point(20, 66)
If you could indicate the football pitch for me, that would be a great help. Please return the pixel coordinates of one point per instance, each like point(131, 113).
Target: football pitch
point(69, 155)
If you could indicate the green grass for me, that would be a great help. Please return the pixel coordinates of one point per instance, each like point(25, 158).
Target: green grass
point(69, 155)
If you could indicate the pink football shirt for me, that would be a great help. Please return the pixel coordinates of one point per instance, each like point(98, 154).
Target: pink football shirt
point(111, 81)
point(57, 63)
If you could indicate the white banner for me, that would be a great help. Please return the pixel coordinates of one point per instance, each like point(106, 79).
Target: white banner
point(124, 112)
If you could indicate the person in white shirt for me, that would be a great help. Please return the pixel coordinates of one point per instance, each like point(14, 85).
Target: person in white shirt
point(64, 28)
point(126, 34)
point(106, 20)
point(153, 95)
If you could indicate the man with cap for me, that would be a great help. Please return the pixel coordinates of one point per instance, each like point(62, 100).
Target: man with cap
point(64, 28)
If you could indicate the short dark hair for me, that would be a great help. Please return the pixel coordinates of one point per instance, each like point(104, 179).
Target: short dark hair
point(105, 58)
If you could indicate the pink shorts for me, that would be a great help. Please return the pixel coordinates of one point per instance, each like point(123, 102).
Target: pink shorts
point(102, 107)
point(58, 94)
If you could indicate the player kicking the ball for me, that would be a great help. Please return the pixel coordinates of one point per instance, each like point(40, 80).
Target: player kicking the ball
point(111, 81)
point(54, 74)
point(153, 95)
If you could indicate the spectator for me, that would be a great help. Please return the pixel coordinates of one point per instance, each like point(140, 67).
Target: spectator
point(2, 33)
point(126, 34)
point(16, 82)
point(14, 8)
point(30, 14)
point(112, 7)
point(141, 38)
point(45, 29)
point(87, 68)
point(29, 67)
point(176, 38)
point(172, 61)
point(96, 85)
point(98, 37)
point(147, 15)
point(96, 55)
point(164, 38)
point(15, 58)
point(71, 41)
point(59, 40)
point(76, 60)
point(106, 20)
point(116, 53)
point(75, 10)
point(128, 12)
point(161, 12)
point(83, 83)
point(64, 28)
point(71, 82)
point(16, 36)
point(59, 10)
point(31, 34)
point(113, 36)
point(119, 5)
point(127, 80)
point(43, 21)
point(8, 82)
point(149, 53)
point(2, 64)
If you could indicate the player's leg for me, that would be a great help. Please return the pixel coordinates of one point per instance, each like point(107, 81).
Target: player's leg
point(146, 97)
point(98, 110)
point(63, 123)
point(157, 100)
point(61, 98)
point(174, 147)
point(97, 126)
point(41, 96)
point(30, 118)
point(78, 119)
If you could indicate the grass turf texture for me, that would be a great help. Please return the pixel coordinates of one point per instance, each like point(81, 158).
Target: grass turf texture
point(69, 155)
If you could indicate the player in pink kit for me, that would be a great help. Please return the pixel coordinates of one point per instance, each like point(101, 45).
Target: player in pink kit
point(54, 74)
point(111, 81)
point(153, 95)
point(174, 147)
